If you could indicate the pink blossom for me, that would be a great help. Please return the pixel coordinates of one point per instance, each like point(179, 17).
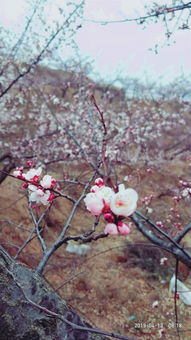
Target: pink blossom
point(18, 173)
point(106, 193)
point(33, 174)
point(99, 201)
point(124, 202)
point(47, 182)
point(123, 228)
point(160, 224)
point(111, 229)
point(150, 171)
point(94, 203)
point(94, 188)
point(38, 195)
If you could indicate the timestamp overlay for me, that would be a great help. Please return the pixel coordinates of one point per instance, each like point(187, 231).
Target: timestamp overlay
point(159, 325)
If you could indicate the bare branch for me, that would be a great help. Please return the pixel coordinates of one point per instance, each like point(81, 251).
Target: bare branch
point(75, 326)
point(61, 238)
point(172, 247)
point(141, 19)
point(37, 226)
point(28, 240)
point(39, 57)
point(181, 235)
point(175, 300)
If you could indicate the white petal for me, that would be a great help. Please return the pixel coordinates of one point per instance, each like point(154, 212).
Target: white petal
point(32, 197)
point(32, 187)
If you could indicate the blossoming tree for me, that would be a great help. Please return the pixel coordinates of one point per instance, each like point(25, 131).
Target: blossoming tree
point(69, 126)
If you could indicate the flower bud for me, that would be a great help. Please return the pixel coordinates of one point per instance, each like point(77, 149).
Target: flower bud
point(25, 185)
point(111, 229)
point(51, 197)
point(99, 182)
point(30, 163)
point(109, 217)
point(123, 228)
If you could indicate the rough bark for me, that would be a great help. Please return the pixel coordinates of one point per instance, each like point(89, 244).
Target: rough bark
point(20, 320)
point(6, 167)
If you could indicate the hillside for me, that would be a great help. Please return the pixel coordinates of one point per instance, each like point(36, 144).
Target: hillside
point(49, 118)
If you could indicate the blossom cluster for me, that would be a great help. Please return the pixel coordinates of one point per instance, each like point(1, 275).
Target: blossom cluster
point(114, 206)
point(135, 132)
point(39, 189)
point(186, 188)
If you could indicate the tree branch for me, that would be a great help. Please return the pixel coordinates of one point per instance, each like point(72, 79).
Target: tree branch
point(171, 247)
point(166, 10)
point(61, 238)
point(38, 58)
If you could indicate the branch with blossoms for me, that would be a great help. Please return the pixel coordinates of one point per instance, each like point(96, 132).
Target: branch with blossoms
point(116, 206)
point(84, 154)
point(113, 203)
point(42, 192)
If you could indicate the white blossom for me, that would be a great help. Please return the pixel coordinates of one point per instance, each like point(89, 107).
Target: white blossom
point(32, 173)
point(38, 195)
point(124, 202)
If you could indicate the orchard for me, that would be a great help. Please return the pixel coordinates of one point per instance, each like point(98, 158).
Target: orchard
point(95, 190)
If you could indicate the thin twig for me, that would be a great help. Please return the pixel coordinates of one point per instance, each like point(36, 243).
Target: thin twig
point(28, 240)
point(175, 300)
point(142, 18)
point(70, 279)
point(39, 57)
point(63, 319)
point(37, 224)
point(61, 238)
point(181, 235)
point(75, 326)
point(104, 139)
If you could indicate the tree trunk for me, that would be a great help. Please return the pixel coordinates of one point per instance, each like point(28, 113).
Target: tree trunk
point(6, 167)
point(22, 320)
